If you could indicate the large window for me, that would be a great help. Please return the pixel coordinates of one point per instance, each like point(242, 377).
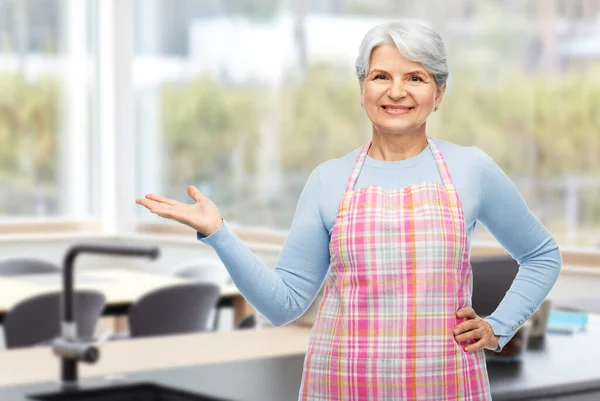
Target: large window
point(47, 87)
point(245, 98)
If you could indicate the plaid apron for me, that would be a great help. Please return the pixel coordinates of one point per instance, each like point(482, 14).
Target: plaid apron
point(399, 272)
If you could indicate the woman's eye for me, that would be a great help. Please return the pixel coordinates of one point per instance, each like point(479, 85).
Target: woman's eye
point(416, 78)
point(380, 76)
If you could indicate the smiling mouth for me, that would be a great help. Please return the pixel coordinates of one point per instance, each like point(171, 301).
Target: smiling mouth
point(397, 110)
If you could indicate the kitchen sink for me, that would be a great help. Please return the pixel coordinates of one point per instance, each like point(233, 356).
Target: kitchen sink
point(130, 392)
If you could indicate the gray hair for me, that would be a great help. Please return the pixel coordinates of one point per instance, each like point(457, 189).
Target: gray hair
point(415, 41)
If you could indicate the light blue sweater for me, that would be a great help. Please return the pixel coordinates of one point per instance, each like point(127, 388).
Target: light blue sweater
point(487, 196)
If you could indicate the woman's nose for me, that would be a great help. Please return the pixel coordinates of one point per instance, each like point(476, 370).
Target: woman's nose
point(397, 90)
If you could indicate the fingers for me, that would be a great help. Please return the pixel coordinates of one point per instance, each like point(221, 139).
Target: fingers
point(162, 212)
point(167, 212)
point(472, 334)
point(467, 312)
point(161, 199)
point(158, 208)
point(151, 205)
point(173, 210)
point(147, 203)
point(477, 330)
point(476, 346)
point(194, 193)
point(467, 325)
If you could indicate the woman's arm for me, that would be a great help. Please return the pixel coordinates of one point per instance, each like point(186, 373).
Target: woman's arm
point(283, 294)
point(504, 213)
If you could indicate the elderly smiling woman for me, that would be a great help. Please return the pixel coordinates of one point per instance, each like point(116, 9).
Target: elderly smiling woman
point(386, 231)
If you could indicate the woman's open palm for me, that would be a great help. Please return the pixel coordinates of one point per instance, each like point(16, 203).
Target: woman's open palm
point(203, 215)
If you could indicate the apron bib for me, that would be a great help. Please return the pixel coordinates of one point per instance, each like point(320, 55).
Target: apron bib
point(399, 272)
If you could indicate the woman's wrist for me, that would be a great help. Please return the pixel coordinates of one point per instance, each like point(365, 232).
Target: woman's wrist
point(215, 227)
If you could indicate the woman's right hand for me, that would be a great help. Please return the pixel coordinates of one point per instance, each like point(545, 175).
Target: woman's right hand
point(203, 215)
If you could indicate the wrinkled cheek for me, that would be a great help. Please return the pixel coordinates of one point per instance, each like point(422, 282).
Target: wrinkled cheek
point(373, 112)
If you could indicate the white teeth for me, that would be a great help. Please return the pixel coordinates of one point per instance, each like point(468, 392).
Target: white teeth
point(396, 110)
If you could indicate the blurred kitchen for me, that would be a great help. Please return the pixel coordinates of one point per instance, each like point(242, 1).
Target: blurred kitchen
point(103, 101)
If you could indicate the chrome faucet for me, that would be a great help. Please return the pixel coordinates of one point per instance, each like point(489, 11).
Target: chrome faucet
point(69, 347)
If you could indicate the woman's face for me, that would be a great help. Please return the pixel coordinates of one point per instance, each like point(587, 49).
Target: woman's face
point(398, 94)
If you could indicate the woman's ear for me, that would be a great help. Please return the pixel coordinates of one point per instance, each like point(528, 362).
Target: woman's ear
point(439, 95)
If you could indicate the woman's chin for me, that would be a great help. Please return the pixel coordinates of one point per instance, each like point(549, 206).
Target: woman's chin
point(396, 129)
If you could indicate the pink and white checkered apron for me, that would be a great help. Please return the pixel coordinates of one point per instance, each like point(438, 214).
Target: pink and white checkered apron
point(399, 272)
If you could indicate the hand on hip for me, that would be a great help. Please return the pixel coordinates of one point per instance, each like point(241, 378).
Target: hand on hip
point(477, 329)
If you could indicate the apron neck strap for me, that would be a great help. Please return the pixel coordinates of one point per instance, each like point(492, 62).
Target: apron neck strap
point(440, 162)
point(437, 156)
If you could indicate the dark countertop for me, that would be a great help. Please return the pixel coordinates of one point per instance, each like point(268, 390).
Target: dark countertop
point(563, 367)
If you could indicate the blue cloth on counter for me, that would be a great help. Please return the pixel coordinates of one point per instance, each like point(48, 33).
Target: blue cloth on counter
point(487, 196)
point(567, 322)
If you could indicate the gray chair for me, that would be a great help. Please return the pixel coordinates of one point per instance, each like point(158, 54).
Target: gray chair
point(16, 266)
point(492, 278)
point(177, 309)
point(36, 320)
point(249, 322)
point(205, 271)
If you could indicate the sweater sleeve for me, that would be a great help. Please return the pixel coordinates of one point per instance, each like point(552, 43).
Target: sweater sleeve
point(284, 293)
point(506, 216)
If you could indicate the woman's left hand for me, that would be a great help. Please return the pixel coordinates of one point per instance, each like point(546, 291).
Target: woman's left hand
point(475, 328)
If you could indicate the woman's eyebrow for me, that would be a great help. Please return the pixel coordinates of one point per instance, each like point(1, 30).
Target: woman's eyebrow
point(379, 70)
point(416, 72)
